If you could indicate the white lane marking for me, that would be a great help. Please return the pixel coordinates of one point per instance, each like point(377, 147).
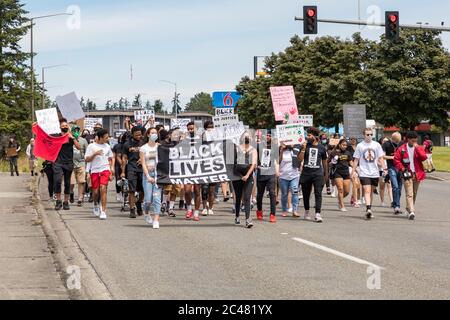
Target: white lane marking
point(337, 253)
point(285, 234)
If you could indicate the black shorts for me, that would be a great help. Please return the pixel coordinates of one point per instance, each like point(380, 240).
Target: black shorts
point(369, 181)
point(135, 181)
point(341, 175)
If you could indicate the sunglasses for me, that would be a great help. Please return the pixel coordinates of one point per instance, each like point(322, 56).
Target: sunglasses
point(369, 135)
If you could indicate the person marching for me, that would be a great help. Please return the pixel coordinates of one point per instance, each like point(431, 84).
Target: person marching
point(14, 146)
point(341, 161)
point(79, 167)
point(409, 160)
point(190, 189)
point(395, 177)
point(356, 184)
point(245, 162)
point(314, 173)
point(428, 145)
point(367, 158)
point(152, 192)
point(289, 178)
point(100, 156)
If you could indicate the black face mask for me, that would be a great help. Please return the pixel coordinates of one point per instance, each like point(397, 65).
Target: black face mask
point(192, 134)
point(65, 130)
point(247, 140)
point(96, 129)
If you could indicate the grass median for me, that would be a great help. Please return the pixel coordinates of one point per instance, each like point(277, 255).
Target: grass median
point(441, 158)
point(22, 163)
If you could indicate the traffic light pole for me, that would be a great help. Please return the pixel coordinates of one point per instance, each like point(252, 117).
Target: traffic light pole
point(365, 23)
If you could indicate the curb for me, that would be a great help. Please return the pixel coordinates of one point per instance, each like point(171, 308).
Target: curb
point(67, 253)
point(434, 178)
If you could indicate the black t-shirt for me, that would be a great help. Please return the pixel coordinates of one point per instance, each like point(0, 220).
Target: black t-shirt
point(131, 149)
point(65, 156)
point(351, 150)
point(342, 159)
point(389, 149)
point(312, 164)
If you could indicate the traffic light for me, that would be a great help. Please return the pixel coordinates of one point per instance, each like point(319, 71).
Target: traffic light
point(392, 25)
point(310, 19)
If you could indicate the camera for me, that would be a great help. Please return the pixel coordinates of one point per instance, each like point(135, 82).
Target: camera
point(123, 183)
point(407, 175)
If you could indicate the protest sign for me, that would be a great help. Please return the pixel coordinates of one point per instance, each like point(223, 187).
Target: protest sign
point(70, 107)
point(143, 115)
point(284, 103)
point(224, 121)
point(354, 120)
point(334, 142)
point(230, 132)
point(305, 120)
point(89, 123)
point(291, 134)
point(195, 163)
point(224, 111)
point(179, 123)
point(48, 120)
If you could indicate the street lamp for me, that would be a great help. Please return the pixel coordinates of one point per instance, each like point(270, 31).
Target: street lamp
point(175, 99)
point(32, 55)
point(43, 80)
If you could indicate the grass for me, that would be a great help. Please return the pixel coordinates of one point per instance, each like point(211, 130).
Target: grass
point(22, 164)
point(441, 158)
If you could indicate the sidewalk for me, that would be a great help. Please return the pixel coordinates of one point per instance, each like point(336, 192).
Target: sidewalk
point(27, 268)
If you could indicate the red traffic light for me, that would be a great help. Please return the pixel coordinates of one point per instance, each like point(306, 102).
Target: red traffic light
point(393, 18)
point(311, 13)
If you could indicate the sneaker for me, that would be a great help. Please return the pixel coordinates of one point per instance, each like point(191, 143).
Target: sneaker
point(328, 191)
point(411, 216)
point(237, 220)
point(54, 198)
point(96, 211)
point(148, 219)
point(119, 198)
point(103, 216)
point(172, 213)
point(66, 206)
point(205, 212)
point(359, 202)
point(363, 201)
point(397, 211)
point(375, 191)
point(273, 218)
point(72, 198)
point(259, 215)
point(290, 210)
point(189, 215)
point(333, 194)
point(248, 223)
point(295, 215)
point(344, 209)
point(369, 214)
point(133, 213)
point(139, 210)
point(383, 204)
point(58, 205)
point(80, 203)
point(196, 218)
point(242, 208)
point(300, 197)
point(233, 210)
point(210, 212)
point(155, 224)
point(318, 218)
point(356, 205)
point(307, 216)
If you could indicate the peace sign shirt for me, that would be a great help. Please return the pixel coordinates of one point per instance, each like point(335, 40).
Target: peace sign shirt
point(368, 155)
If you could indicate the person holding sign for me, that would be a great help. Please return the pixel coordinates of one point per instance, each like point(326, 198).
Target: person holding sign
point(289, 178)
point(190, 189)
point(12, 154)
point(315, 168)
point(63, 166)
point(246, 159)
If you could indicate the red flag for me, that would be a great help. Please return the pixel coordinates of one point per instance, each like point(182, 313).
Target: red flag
point(45, 146)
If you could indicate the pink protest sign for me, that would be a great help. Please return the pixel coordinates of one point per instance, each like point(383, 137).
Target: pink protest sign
point(284, 103)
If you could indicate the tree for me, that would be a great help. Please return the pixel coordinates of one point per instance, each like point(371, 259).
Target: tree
point(148, 105)
point(409, 81)
point(201, 102)
point(121, 104)
point(158, 106)
point(15, 76)
point(137, 102)
point(176, 104)
point(108, 105)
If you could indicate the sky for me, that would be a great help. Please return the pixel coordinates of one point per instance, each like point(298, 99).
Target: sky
point(202, 45)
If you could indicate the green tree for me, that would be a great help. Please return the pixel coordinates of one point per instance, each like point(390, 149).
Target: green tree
point(158, 106)
point(201, 102)
point(137, 102)
point(108, 105)
point(176, 104)
point(409, 81)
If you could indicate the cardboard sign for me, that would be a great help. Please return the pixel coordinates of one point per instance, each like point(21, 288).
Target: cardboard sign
point(89, 123)
point(284, 103)
point(291, 134)
point(143, 115)
point(334, 142)
point(305, 120)
point(224, 112)
point(224, 121)
point(179, 123)
point(11, 152)
point(48, 120)
point(70, 107)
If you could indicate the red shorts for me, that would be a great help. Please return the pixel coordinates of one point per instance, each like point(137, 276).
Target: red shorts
point(98, 179)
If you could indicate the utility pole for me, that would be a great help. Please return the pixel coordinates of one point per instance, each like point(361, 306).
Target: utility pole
point(43, 81)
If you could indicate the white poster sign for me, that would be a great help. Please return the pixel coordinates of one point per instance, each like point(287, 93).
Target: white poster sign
point(229, 132)
point(305, 120)
point(291, 134)
point(179, 123)
point(224, 112)
point(70, 107)
point(48, 120)
point(225, 121)
point(143, 115)
point(89, 123)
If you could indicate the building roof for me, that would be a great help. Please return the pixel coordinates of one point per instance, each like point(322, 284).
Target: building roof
point(130, 113)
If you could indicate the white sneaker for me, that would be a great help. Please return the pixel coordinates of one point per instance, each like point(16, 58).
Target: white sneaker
point(359, 202)
point(300, 197)
point(383, 204)
point(333, 194)
point(307, 216)
point(318, 218)
point(411, 216)
point(290, 210)
point(210, 212)
point(96, 211)
point(119, 198)
point(205, 212)
point(103, 216)
point(155, 224)
point(344, 209)
point(148, 219)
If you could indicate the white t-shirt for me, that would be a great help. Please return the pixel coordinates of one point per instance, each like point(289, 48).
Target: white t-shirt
point(287, 170)
point(100, 163)
point(368, 155)
point(411, 158)
point(151, 156)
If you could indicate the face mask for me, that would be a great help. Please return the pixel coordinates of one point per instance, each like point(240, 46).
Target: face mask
point(311, 140)
point(324, 141)
point(65, 130)
point(192, 134)
point(154, 137)
point(247, 140)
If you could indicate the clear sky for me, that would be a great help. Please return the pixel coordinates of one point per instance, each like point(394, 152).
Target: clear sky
point(203, 45)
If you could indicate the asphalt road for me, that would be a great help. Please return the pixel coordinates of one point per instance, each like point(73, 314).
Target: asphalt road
point(292, 259)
